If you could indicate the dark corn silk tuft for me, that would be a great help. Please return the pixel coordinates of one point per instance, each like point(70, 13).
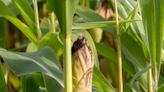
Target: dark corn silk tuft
point(81, 41)
point(82, 66)
point(1, 60)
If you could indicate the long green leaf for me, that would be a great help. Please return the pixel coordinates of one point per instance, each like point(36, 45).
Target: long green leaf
point(11, 6)
point(26, 63)
point(100, 82)
point(137, 75)
point(29, 84)
point(23, 28)
point(88, 14)
point(52, 40)
point(26, 11)
point(52, 85)
point(6, 13)
point(107, 51)
point(154, 26)
point(90, 25)
point(153, 20)
point(134, 53)
point(64, 10)
point(129, 45)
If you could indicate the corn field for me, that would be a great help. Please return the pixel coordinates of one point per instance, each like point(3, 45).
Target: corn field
point(81, 46)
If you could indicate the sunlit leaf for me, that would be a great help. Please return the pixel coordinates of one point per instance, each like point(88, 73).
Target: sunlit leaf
point(26, 11)
point(52, 40)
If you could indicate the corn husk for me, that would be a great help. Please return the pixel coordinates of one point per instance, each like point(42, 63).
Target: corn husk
point(82, 60)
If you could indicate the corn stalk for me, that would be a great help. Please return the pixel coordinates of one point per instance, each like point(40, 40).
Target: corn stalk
point(120, 79)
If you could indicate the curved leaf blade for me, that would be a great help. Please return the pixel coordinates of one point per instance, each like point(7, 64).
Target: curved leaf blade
point(6, 13)
point(26, 63)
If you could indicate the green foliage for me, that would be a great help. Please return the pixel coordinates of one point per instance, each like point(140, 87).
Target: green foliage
point(42, 61)
point(153, 23)
point(161, 88)
point(64, 10)
point(6, 13)
point(3, 26)
point(46, 63)
point(101, 82)
point(3, 87)
point(26, 12)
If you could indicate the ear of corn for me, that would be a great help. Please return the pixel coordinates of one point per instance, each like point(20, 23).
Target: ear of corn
point(82, 66)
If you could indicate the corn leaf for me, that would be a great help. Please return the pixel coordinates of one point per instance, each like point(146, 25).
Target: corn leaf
point(96, 24)
point(135, 56)
point(64, 10)
point(29, 84)
point(11, 6)
point(26, 11)
point(6, 13)
point(100, 82)
point(52, 40)
point(51, 84)
point(153, 20)
point(107, 51)
point(26, 63)
point(88, 14)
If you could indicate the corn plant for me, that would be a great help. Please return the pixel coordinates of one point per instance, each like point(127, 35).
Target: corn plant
point(81, 45)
